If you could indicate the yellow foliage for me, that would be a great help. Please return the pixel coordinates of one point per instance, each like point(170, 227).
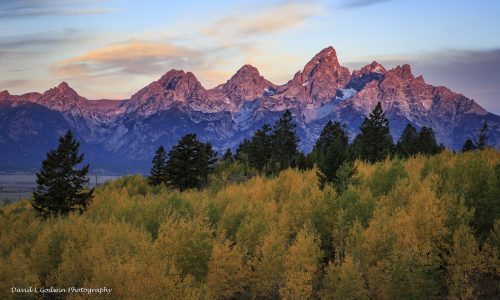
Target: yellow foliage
point(420, 228)
point(344, 281)
point(268, 265)
point(188, 243)
point(301, 266)
point(227, 274)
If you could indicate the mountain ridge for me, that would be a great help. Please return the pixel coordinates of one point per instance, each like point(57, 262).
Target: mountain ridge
point(177, 103)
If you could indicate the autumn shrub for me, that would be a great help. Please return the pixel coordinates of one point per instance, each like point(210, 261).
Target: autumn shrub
point(417, 228)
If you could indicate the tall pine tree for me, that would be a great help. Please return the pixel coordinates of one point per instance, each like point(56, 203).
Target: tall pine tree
point(426, 141)
point(374, 143)
point(60, 184)
point(331, 150)
point(407, 143)
point(228, 156)
point(483, 137)
point(468, 146)
point(157, 173)
point(284, 142)
point(242, 151)
point(260, 148)
point(189, 163)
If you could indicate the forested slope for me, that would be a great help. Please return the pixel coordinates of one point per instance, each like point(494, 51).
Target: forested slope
point(404, 229)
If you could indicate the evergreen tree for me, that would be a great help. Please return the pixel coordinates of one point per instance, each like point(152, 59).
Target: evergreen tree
point(406, 145)
point(260, 148)
point(331, 151)
point(61, 185)
point(189, 163)
point(468, 146)
point(206, 162)
point(374, 143)
point(345, 176)
point(242, 151)
point(303, 162)
point(426, 141)
point(284, 142)
point(228, 156)
point(483, 137)
point(157, 173)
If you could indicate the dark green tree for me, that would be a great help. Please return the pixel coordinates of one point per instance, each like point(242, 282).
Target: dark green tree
point(483, 137)
point(284, 142)
point(206, 162)
point(468, 146)
point(157, 173)
point(189, 163)
point(407, 143)
point(242, 151)
point(331, 151)
point(345, 176)
point(260, 148)
point(426, 141)
point(228, 156)
point(60, 184)
point(303, 162)
point(374, 143)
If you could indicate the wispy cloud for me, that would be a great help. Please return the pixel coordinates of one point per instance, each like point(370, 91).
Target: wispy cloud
point(34, 8)
point(213, 51)
point(270, 20)
point(40, 39)
point(361, 3)
point(12, 83)
point(132, 57)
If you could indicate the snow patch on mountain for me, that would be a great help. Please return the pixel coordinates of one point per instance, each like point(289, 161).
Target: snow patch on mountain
point(345, 94)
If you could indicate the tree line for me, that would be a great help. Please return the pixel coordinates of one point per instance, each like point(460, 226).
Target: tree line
point(271, 149)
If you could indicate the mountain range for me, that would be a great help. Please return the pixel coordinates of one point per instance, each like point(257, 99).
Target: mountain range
point(122, 135)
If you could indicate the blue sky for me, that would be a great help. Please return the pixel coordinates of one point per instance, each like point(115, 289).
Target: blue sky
point(112, 48)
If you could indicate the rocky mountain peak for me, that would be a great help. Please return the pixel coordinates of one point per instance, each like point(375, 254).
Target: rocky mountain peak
point(360, 78)
point(320, 79)
point(374, 67)
point(404, 72)
point(324, 62)
point(63, 85)
point(173, 86)
point(178, 80)
point(59, 95)
point(4, 95)
point(246, 85)
point(61, 98)
point(247, 70)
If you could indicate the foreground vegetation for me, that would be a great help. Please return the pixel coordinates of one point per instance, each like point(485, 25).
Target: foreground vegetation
point(417, 228)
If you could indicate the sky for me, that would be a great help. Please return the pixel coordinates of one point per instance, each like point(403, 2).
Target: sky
point(112, 48)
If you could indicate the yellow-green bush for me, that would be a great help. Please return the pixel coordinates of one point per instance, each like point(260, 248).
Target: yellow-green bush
point(407, 229)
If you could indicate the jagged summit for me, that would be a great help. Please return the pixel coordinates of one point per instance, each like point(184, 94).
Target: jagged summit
point(245, 85)
point(183, 83)
point(63, 85)
point(4, 95)
point(404, 72)
point(374, 67)
point(175, 86)
point(177, 104)
point(319, 80)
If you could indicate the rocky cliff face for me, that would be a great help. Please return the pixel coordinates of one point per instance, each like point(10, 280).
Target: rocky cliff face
point(319, 81)
point(177, 103)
